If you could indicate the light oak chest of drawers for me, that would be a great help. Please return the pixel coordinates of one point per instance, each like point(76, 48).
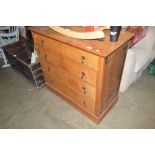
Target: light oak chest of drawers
point(86, 73)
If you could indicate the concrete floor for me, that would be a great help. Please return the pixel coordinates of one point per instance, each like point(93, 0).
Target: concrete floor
point(22, 106)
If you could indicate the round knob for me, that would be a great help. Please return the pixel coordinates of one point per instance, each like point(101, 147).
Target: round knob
point(82, 59)
point(84, 90)
point(82, 75)
point(45, 56)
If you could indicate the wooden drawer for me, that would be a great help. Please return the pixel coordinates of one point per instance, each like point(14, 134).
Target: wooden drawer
point(71, 68)
point(53, 72)
point(72, 95)
point(80, 56)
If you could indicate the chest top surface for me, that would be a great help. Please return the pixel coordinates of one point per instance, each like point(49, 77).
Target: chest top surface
point(101, 48)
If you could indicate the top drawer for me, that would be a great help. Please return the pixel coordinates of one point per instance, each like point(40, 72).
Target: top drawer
point(85, 58)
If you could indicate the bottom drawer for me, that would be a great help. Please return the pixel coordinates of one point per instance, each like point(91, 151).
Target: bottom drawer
point(85, 102)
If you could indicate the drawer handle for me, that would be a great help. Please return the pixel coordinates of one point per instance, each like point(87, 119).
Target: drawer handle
point(82, 59)
point(42, 43)
point(82, 75)
point(84, 90)
point(45, 56)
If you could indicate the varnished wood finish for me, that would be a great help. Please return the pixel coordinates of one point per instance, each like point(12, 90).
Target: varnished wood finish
point(85, 73)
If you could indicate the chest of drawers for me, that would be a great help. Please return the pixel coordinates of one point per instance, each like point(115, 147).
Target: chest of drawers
point(86, 73)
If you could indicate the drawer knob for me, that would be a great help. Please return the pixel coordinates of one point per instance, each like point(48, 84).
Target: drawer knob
point(84, 90)
point(82, 59)
point(42, 43)
point(82, 75)
point(45, 56)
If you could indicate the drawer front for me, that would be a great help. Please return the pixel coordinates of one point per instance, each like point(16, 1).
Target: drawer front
point(71, 94)
point(80, 56)
point(71, 68)
point(53, 72)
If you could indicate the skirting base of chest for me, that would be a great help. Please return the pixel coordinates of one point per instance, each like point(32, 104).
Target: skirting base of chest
point(96, 119)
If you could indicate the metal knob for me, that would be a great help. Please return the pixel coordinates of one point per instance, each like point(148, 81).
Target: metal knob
point(82, 59)
point(84, 90)
point(82, 75)
point(45, 56)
